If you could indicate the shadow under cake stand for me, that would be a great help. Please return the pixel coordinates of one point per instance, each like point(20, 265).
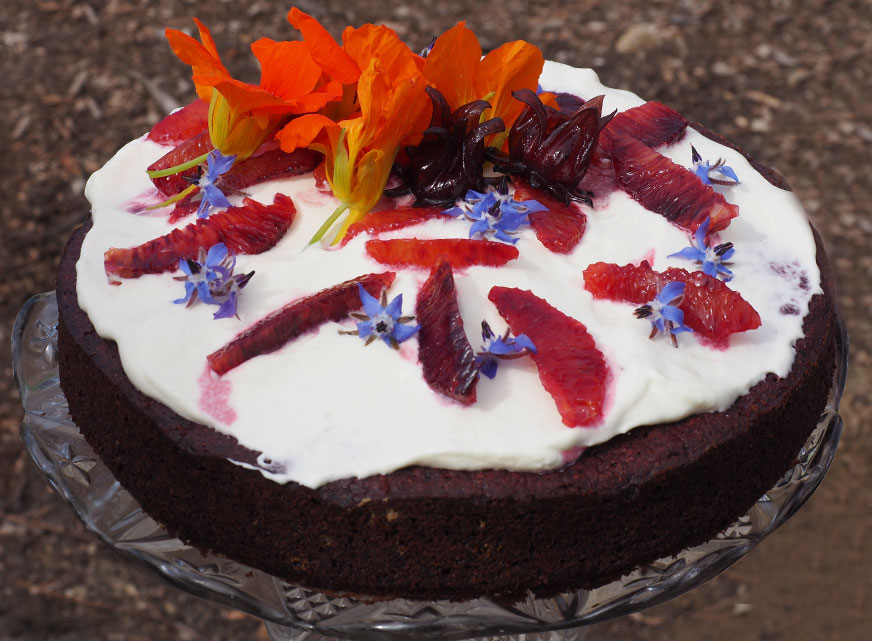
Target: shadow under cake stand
point(290, 612)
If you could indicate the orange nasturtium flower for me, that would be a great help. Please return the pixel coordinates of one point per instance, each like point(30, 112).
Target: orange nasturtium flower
point(360, 149)
point(242, 116)
point(455, 68)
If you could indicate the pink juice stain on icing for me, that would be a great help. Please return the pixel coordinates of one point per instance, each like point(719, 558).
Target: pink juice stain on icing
point(214, 396)
point(140, 205)
point(648, 255)
point(316, 197)
point(572, 454)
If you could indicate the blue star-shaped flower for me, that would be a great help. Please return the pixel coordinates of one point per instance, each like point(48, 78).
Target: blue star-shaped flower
point(495, 212)
point(663, 312)
point(210, 279)
point(718, 174)
point(713, 259)
point(426, 50)
point(383, 320)
point(216, 164)
point(497, 347)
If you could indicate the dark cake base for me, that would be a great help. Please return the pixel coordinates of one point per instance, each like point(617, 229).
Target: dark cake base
point(426, 533)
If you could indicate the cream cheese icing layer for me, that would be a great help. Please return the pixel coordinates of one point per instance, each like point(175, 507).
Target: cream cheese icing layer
point(325, 407)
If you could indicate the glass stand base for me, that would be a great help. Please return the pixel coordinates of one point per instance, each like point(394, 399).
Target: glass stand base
point(294, 613)
point(287, 633)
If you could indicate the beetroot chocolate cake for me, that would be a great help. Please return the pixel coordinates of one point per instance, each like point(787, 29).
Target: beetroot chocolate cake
point(657, 320)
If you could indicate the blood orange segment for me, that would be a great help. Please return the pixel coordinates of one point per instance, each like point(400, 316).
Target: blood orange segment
point(559, 228)
point(269, 165)
point(623, 283)
point(251, 228)
point(571, 367)
point(295, 319)
point(181, 125)
point(377, 222)
point(320, 176)
point(183, 209)
point(459, 252)
point(711, 308)
point(446, 356)
point(652, 124)
point(192, 148)
point(672, 191)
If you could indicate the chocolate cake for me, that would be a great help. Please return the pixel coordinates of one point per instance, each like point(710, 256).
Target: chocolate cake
point(610, 491)
point(429, 533)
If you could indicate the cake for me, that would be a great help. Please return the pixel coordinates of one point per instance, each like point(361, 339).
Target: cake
point(655, 310)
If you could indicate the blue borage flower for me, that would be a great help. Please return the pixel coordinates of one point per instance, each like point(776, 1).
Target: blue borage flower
point(500, 347)
point(210, 279)
point(382, 319)
point(717, 174)
point(713, 259)
point(426, 50)
point(663, 312)
point(216, 164)
point(495, 212)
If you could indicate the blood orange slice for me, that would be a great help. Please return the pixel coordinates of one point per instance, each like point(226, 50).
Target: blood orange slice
point(571, 367)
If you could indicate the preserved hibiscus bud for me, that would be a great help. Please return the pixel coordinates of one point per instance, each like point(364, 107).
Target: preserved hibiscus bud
point(552, 149)
point(449, 160)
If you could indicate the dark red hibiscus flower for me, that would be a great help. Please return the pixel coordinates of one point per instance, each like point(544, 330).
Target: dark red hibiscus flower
point(552, 149)
point(449, 160)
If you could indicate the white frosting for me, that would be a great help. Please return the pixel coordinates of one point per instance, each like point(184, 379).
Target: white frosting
point(325, 407)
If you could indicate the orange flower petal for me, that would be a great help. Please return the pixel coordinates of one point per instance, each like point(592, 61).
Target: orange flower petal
point(549, 99)
point(245, 97)
point(304, 130)
point(207, 40)
point(371, 42)
point(203, 57)
point(324, 49)
point(452, 65)
point(287, 70)
point(514, 65)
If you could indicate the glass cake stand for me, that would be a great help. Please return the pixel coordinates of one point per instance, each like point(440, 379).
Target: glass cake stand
point(291, 612)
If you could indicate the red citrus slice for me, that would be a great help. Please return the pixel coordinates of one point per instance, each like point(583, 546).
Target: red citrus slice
point(181, 125)
point(295, 319)
point(571, 367)
point(377, 222)
point(190, 149)
point(251, 228)
point(672, 191)
point(561, 227)
point(460, 252)
point(652, 124)
point(446, 356)
point(711, 308)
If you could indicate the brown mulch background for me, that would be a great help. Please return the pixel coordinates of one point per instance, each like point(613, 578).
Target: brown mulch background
point(785, 79)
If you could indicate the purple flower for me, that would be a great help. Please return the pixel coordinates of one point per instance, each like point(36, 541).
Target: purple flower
point(713, 259)
point(383, 320)
point(495, 212)
point(500, 347)
point(718, 174)
point(216, 164)
point(663, 312)
point(210, 279)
